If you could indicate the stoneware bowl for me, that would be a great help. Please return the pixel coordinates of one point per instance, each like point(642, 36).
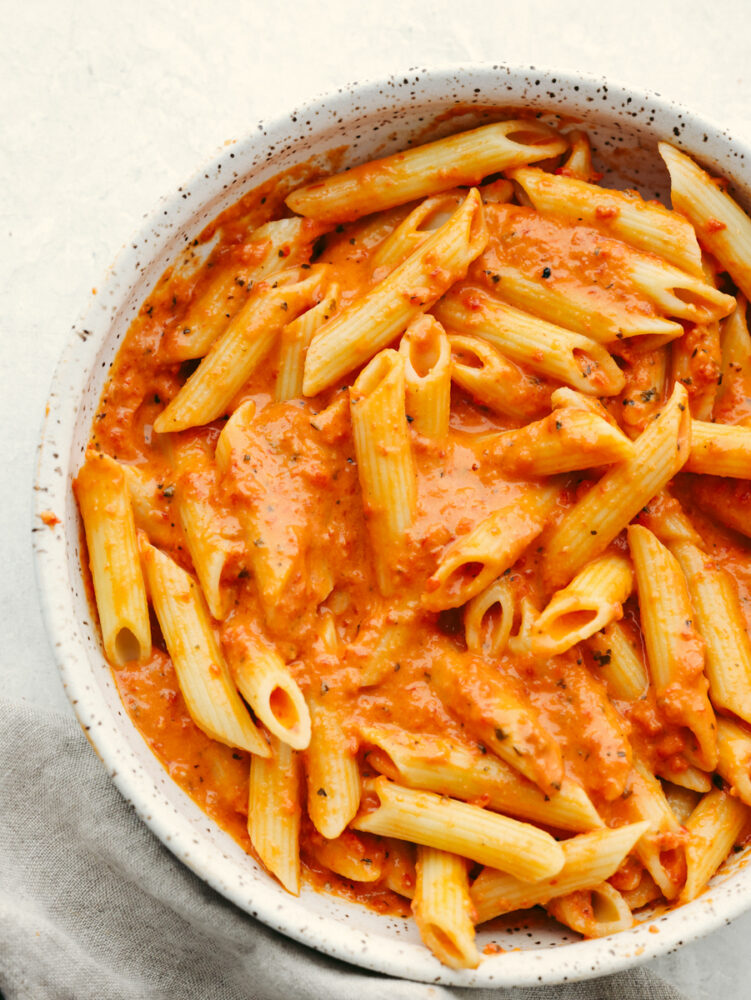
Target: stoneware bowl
point(369, 119)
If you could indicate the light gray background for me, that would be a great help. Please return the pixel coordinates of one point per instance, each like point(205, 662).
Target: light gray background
point(104, 106)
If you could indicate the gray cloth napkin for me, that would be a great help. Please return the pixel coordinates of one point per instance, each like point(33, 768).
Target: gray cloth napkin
point(93, 906)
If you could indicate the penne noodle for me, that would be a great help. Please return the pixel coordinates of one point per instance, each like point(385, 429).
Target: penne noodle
point(526, 339)
point(151, 505)
point(722, 226)
point(373, 320)
point(442, 908)
point(427, 373)
point(726, 500)
point(211, 538)
point(425, 170)
point(449, 825)
point(645, 225)
point(695, 362)
point(675, 649)
point(240, 349)
point(333, 778)
point(400, 870)
point(594, 912)
point(593, 522)
point(589, 859)
point(486, 629)
point(734, 760)
point(441, 765)
point(474, 560)
point(482, 371)
point(691, 779)
point(661, 848)
point(498, 713)
point(719, 618)
point(733, 403)
point(578, 162)
point(569, 438)
point(647, 891)
point(210, 696)
point(295, 341)
point(676, 293)
point(384, 460)
point(714, 827)
point(647, 381)
point(592, 600)
point(356, 857)
point(265, 682)
point(382, 657)
point(271, 247)
point(103, 498)
point(274, 812)
point(619, 662)
point(683, 801)
point(412, 232)
point(720, 450)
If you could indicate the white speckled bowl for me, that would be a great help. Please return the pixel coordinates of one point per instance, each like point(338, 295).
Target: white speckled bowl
point(371, 119)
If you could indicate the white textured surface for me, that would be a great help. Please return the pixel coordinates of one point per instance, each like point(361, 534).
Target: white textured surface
point(105, 106)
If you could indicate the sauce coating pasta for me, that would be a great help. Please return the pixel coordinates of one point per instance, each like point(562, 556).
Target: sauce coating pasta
point(361, 570)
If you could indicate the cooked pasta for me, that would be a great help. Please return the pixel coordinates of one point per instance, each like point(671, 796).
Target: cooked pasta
point(440, 509)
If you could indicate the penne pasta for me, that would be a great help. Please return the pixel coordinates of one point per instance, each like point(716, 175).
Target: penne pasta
point(355, 857)
point(211, 697)
point(569, 438)
point(593, 913)
point(295, 341)
point(720, 450)
point(427, 373)
point(425, 170)
point(619, 662)
point(438, 764)
point(675, 650)
point(265, 682)
point(714, 827)
point(726, 500)
point(274, 812)
point(661, 848)
point(542, 346)
point(151, 505)
point(645, 225)
point(486, 630)
point(443, 910)
point(384, 460)
point(212, 539)
point(482, 371)
point(240, 349)
point(593, 522)
point(412, 232)
point(733, 403)
point(734, 760)
point(592, 600)
point(449, 825)
point(333, 777)
point(103, 498)
point(372, 321)
point(589, 859)
point(721, 225)
point(473, 561)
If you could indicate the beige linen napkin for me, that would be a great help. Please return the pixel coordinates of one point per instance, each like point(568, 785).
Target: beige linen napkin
point(93, 907)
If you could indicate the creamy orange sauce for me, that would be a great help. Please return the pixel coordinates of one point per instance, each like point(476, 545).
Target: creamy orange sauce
point(299, 473)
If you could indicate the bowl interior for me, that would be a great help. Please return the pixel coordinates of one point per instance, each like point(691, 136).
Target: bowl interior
point(359, 122)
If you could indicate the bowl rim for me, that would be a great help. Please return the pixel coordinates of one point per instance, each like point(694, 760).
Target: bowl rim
point(51, 491)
